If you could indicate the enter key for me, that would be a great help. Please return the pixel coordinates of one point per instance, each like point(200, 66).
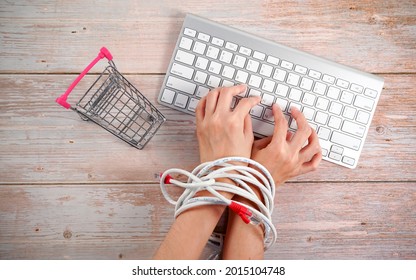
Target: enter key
point(353, 128)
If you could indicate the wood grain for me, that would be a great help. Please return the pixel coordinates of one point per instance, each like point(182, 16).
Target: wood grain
point(314, 221)
point(50, 36)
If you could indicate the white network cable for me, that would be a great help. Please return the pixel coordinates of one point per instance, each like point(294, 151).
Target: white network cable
point(204, 177)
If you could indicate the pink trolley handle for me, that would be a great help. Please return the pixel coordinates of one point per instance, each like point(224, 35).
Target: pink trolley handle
point(62, 100)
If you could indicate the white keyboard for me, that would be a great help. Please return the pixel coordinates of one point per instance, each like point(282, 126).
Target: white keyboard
point(338, 101)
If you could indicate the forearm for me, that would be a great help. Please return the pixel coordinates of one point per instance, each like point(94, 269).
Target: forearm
point(189, 233)
point(243, 241)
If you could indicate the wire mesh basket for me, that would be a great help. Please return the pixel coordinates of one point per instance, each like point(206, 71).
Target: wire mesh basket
point(116, 105)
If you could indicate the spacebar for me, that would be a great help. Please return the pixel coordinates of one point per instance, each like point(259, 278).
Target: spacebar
point(262, 128)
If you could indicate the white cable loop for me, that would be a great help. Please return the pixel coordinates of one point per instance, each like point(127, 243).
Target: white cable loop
point(204, 177)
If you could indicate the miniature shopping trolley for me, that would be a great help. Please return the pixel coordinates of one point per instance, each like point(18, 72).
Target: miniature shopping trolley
point(115, 104)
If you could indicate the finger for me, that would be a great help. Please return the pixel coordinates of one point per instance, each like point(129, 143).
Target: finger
point(248, 126)
point(311, 165)
point(226, 96)
point(313, 147)
point(200, 110)
point(303, 132)
point(212, 100)
point(280, 125)
point(262, 143)
point(245, 105)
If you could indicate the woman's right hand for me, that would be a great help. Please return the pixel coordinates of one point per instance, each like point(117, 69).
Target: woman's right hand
point(284, 155)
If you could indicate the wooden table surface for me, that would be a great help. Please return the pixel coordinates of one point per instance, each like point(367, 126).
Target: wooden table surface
point(70, 190)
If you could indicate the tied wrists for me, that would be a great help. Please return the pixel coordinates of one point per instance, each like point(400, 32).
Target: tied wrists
point(223, 179)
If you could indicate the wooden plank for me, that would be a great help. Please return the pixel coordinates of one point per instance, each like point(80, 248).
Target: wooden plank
point(50, 37)
point(43, 142)
point(128, 221)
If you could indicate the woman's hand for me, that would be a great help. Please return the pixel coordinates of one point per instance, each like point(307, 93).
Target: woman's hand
point(221, 131)
point(286, 155)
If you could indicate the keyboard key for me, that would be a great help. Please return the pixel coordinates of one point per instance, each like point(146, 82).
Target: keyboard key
point(293, 79)
point(364, 103)
point(337, 149)
point(324, 133)
point(213, 81)
point(201, 63)
point(202, 91)
point(231, 46)
point(308, 99)
point(227, 83)
point(184, 57)
point(239, 61)
point(182, 71)
point(282, 103)
point(262, 128)
point(319, 88)
point(321, 117)
point(254, 81)
point(347, 97)
point(279, 75)
point(273, 60)
point(282, 90)
point(356, 88)
point(370, 92)
point(228, 72)
point(322, 103)
point(214, 67)
point(308, 113)
point(266, 70)
point(353, 128)
point(335, 108)
point(181, 85)
point(168, 96)
point(348, 160)
point(253, 65)
point(349, 112)
point(189, 32)
point(362, 117)
point(334, 122)
point(226, 56)
point(295, 94)
point(199, 48)
point(300, 69)
point(286, 64)
point(314, 74)
point(218, 42)
point(200, 77)
point(306, 84)
point(345, 140)
point(334, 156)
point(254, 92)
point(268, 85)
point(241, 76)
point(333, 93)
point(204, 37)
point(181, 100)
point(212, 52)
point(259, 55)
point(267, 99)
point(342, 83)
point(296, 105)
point(245, 51)
point(256, 111)
point(185, 43)
point(328, 79)
point(192, 104)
